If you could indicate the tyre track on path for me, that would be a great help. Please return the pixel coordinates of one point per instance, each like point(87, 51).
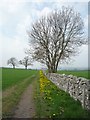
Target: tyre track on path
point(26, 107)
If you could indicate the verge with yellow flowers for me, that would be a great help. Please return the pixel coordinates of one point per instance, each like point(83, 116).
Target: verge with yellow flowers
point(51, 102)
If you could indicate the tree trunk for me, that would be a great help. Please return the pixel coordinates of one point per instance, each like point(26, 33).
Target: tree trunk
point(49, 67)
point(14, 66)
point(52, 69)
point(26, 67)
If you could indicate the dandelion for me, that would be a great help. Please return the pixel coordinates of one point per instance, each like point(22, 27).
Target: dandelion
point(53, 114)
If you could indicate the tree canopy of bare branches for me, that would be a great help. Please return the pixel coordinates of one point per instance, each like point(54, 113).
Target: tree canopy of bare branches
point(12, 61)
point(26, 62)
point(57, 37)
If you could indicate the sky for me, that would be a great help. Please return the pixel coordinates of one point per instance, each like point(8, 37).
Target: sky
point(16, 17)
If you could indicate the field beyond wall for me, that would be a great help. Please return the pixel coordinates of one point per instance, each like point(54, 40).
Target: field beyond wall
point(78, 73)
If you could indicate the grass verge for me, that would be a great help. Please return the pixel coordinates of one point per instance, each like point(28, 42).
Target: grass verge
point(51, 102)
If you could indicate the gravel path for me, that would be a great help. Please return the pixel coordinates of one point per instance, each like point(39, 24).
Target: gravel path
point(26, 108)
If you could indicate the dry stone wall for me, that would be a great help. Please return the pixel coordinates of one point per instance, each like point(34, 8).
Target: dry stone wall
point(77, 87)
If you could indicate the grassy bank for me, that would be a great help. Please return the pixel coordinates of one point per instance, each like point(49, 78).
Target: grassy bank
point(78, 73)
point(52, 102)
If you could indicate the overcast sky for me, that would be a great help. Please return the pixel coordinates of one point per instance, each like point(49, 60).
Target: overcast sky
point(16, 17)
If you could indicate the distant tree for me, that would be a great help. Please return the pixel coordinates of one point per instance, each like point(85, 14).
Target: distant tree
point(26, 61)
point(12, 61)
point(57, 37)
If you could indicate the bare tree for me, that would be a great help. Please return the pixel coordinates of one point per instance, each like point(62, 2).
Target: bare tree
point(57, 37)
point(26, 61)
point(12, 61)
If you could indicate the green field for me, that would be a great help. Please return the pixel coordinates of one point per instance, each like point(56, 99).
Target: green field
point(11, 76)
point(78, 73)
point(14, 83)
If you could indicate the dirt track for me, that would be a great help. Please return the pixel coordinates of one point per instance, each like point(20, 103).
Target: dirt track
point(26, 108)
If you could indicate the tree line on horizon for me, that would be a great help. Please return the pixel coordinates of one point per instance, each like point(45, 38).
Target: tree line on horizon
point(26, 61)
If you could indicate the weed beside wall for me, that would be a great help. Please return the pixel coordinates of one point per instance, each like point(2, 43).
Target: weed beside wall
point(77, 87)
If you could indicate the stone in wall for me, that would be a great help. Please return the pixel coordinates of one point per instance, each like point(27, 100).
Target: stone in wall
point(77, 87)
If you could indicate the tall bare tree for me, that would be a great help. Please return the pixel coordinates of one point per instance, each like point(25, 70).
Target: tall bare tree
point(12, 61)
point(57, 37)
point(26, 62)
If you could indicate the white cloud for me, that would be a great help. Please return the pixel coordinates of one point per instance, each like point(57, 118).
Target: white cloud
point(86, 23)
point(9, 9)
point(15, 12)
point(12, 5)
point(44, 12)
point(12, 48)
point(79, 61)
point(24, 24)
point(38, 0)
point(69, 0)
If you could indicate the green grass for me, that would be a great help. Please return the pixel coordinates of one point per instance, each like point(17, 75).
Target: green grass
point(81, 73)
point(50, 101)
point(10, 102)
point(12, 76)
point(19, 79)
point(53, 103)
point(0, 79)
